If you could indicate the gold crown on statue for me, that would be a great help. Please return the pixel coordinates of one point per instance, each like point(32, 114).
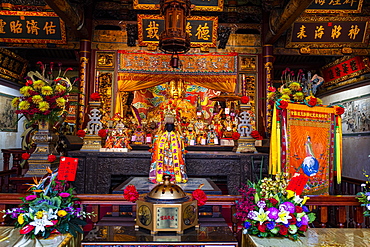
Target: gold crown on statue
point(169, 115)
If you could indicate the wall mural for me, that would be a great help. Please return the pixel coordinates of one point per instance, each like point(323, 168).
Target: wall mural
point(356, 118)
point(8, 117)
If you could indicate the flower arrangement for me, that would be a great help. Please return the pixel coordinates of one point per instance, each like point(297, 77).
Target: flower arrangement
point(44, 99)
point(364, 197)
point(296, 89)
point(50, 208)
point(268, 209)
point(130, 193)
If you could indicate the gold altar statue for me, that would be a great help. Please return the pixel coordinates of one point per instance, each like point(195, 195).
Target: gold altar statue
point(184, 109)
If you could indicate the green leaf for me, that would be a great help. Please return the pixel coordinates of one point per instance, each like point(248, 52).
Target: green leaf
point(311, 217)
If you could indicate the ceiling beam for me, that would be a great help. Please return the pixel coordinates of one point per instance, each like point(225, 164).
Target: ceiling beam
point(290, 13)
point(72, 17)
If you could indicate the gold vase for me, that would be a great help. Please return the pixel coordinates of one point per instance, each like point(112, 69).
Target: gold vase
point(45, 140)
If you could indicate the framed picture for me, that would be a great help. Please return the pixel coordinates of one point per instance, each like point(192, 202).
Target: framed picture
point(247, 63)
point(356, 117)
point(8, 117)
point(105, 60)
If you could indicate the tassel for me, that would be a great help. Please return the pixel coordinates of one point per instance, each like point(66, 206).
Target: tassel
point(274, 146)
point(338, 149)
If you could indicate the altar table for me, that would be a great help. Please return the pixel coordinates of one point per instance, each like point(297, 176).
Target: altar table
point(315, 237)
point(9, 236)
point(95, 169)
point(126, 236)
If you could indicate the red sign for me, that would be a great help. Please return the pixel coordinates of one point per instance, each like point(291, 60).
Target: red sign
point(342, 69)
point(297, 183)
point(67, 168)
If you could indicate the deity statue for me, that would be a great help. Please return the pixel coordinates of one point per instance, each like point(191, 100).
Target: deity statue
point(168, 156)
point(139, 136)
point(184, 109)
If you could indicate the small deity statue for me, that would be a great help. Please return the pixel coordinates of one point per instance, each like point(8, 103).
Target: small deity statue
point(168, 156)
point(212, 137)
point(228, 127)
point(190, 135)
point(139, 136)
point(218, 127)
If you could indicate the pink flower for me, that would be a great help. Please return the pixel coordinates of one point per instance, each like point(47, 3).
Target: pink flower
point(31, 197)
point(64, 194)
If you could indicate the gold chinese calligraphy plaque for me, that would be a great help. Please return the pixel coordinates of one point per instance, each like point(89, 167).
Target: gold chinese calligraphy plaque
point(31, 27)
point(202, 30)
point(329, 32)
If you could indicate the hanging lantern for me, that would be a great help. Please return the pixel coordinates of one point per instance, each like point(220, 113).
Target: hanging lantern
point(174, 39)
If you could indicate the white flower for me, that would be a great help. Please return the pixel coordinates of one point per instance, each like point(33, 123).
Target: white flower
point(261, 216)
point(297, 199)
point(283, 216)
point(40, 224)
point(51, 214)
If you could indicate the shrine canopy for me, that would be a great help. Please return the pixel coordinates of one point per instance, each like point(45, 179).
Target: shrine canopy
point(140, 70)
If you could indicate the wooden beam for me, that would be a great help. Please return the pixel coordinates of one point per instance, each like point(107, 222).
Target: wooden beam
point(291, 12)
point(72, 17)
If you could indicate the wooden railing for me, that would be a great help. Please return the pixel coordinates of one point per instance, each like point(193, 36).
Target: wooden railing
point(341, 211)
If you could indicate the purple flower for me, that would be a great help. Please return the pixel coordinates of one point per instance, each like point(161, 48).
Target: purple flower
point(304, 220)
point(367, 193)
point(305, 209)
point(287, 206)
point(299, 224)
point(273, 213)
point(31, 197)
point(270, 225)
point(261, 204)
point(247, 225)
point(251, 214)
point(64, 194)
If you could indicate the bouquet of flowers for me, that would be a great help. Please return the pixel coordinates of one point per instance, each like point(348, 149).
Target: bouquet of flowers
point(51, 208)
point(298, 90)
point(268, 209)
point(44, 99)
point(364, 197)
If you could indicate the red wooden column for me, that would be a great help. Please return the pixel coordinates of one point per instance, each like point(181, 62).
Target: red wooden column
point(85, 56)
point(268, 60)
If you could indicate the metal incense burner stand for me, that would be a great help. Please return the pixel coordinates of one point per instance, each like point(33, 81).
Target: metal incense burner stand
point(166, 208)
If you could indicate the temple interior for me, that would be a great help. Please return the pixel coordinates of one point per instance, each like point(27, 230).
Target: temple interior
point(203, 101)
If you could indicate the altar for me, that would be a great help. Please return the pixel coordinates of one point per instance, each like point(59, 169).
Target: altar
point(143, 185)
point(96, 169)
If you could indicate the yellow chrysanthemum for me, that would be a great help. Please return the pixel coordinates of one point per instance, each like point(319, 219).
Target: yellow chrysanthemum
point(62, 213)
point(46, 90)
point(25, 90)
point(44, 106)
point(24, 105)
point(295, 86)
point(285, 97)
point(60, 88)
point(39, 214)
point(271, 95)
point(299, 96)
point(60, 102)
point(38, 84)
point(20, 219)
point(286, 91)
point(37, 99)
point(15, 102)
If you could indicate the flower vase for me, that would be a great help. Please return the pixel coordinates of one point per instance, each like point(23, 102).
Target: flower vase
point(45, 139)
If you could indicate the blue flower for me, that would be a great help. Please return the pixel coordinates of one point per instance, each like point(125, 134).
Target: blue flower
point(305, 209)
point(299, 224)
point(247, 225)
point(270, 225)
